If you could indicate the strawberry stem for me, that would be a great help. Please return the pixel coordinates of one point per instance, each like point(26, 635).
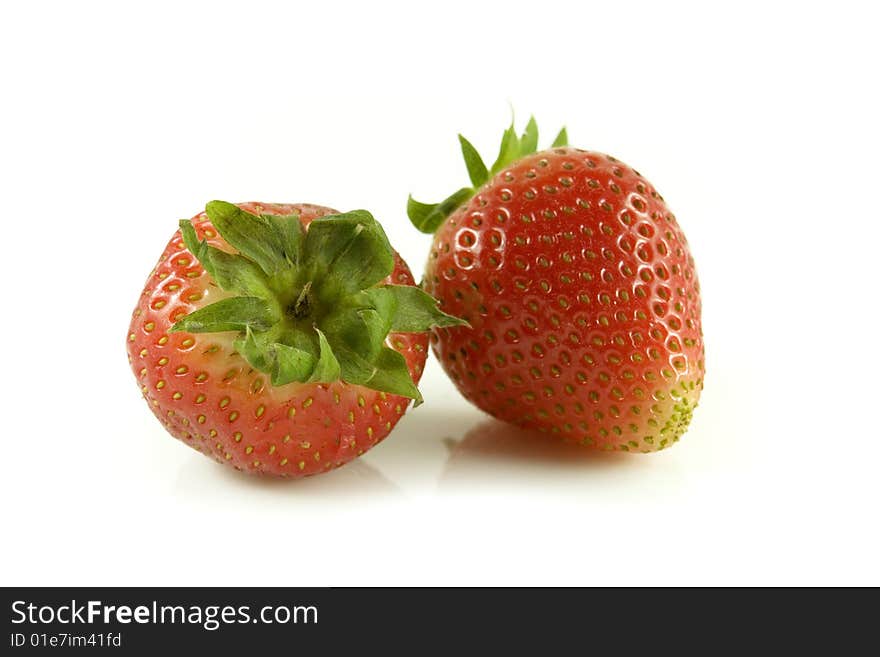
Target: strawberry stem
point(301, 306)
point(309, 305)
point(428, 217)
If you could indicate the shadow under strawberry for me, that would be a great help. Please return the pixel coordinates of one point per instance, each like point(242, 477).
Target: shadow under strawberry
point(494, 452)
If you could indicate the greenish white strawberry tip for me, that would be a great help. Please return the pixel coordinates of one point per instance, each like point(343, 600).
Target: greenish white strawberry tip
point(309, 304)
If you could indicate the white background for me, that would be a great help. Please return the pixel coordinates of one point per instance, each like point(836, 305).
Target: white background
point(757, 122)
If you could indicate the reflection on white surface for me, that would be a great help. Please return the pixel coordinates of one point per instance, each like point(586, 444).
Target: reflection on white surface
point(493, 450)
point(438, 452)
point(357, 478)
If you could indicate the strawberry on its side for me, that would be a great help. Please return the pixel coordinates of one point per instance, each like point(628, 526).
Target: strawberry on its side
point(580, 291)
point(280, 339)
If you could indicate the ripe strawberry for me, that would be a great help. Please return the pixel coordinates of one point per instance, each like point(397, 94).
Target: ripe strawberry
point(286, 342)
point(580, 291)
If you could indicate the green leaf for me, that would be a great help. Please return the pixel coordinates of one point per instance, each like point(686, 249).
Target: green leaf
point(528, 143)
point(376, 320)
point(255, 351)
point(415, 310)
point(346, 253)
point(354, 368)
point(561, 139)
point(232, 314)
point(231, 272)
point(327, 368)
point(420, 214)
point(291, 364)
point(509, 150)
point(428, 218)
point(361, 323)
point(387, 373)
point(237, 274)
point(290, 233)
point(253, 236)
point(285, 363)
point(476, 168)
point(392, 375)
point(198, 248)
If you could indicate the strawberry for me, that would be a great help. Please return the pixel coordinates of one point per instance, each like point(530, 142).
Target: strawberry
point(280, 339)
point(580, 291)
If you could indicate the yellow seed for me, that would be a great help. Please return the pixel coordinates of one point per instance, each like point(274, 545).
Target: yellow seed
point(302, 465)
point(200, 399)
point(160, 385)
point(286, 439)
point(248, 449)
point(305, 444)
point(233, 416)
point(308, 402)
point(260, 410)
point(291, 411)
point(237, 436)
point(283, 462)
point(361, 401)
point(163, 340)
point(271, 449)
point(177, 395)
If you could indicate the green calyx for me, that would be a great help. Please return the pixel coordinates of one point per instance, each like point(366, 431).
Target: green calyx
point(428, 217)
point(308, 304)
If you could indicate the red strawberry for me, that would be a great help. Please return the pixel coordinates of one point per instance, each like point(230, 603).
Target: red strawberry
point(287, 342)
point(580, 291)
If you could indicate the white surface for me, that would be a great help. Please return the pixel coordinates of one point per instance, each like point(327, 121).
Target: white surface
point(758, 123)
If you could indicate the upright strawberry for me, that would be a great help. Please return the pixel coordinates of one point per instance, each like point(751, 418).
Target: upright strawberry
point(580, 291)
point(280, 339)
